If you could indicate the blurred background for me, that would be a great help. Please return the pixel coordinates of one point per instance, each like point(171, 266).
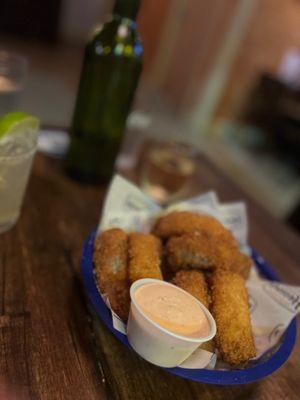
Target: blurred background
point(222, 75)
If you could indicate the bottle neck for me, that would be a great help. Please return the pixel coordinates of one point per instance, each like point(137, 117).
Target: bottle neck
point(126, 8)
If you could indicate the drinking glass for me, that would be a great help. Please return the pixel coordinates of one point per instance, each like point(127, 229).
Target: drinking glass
point(167, 169)
point(16, 155)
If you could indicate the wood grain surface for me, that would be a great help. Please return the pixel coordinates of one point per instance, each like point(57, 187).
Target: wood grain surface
point(53, 346)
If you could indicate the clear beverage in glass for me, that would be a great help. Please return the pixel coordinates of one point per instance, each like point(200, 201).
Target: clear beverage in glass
point(16, 156)
point(167, 169)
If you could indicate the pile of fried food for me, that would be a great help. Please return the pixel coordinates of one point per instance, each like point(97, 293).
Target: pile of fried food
point(193, 251)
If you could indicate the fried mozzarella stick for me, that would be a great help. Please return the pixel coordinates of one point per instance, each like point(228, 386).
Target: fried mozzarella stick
point(178, 223)
point(190, 251)
point(194, 251)
point(110, 259)
point(194, 283)
point(144, 252)
point(230, 308)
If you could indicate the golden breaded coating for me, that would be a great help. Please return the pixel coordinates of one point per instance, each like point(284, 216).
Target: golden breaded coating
point(190, 251)
point(181, 222)
point(145, 252)
point(110, 257)
point(119, 298)
point(194, 251)
point(232, 259)
point(110, 260)
point(230, 308)
point(194, 283)
point(241, 265)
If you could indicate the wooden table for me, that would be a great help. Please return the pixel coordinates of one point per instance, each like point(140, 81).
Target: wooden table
point(52, 346)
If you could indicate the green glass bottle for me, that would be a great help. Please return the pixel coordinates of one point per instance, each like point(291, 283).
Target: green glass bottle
point(111, 69)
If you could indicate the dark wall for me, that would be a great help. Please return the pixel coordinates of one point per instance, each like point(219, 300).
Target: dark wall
point(34, 18)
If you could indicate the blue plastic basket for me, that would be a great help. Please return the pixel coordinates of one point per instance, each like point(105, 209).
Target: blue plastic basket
point(262, 368)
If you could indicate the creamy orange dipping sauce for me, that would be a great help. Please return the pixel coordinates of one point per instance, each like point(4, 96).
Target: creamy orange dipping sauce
point(172, 309)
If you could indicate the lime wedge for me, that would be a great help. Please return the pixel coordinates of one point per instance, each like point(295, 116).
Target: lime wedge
point(15, 123)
